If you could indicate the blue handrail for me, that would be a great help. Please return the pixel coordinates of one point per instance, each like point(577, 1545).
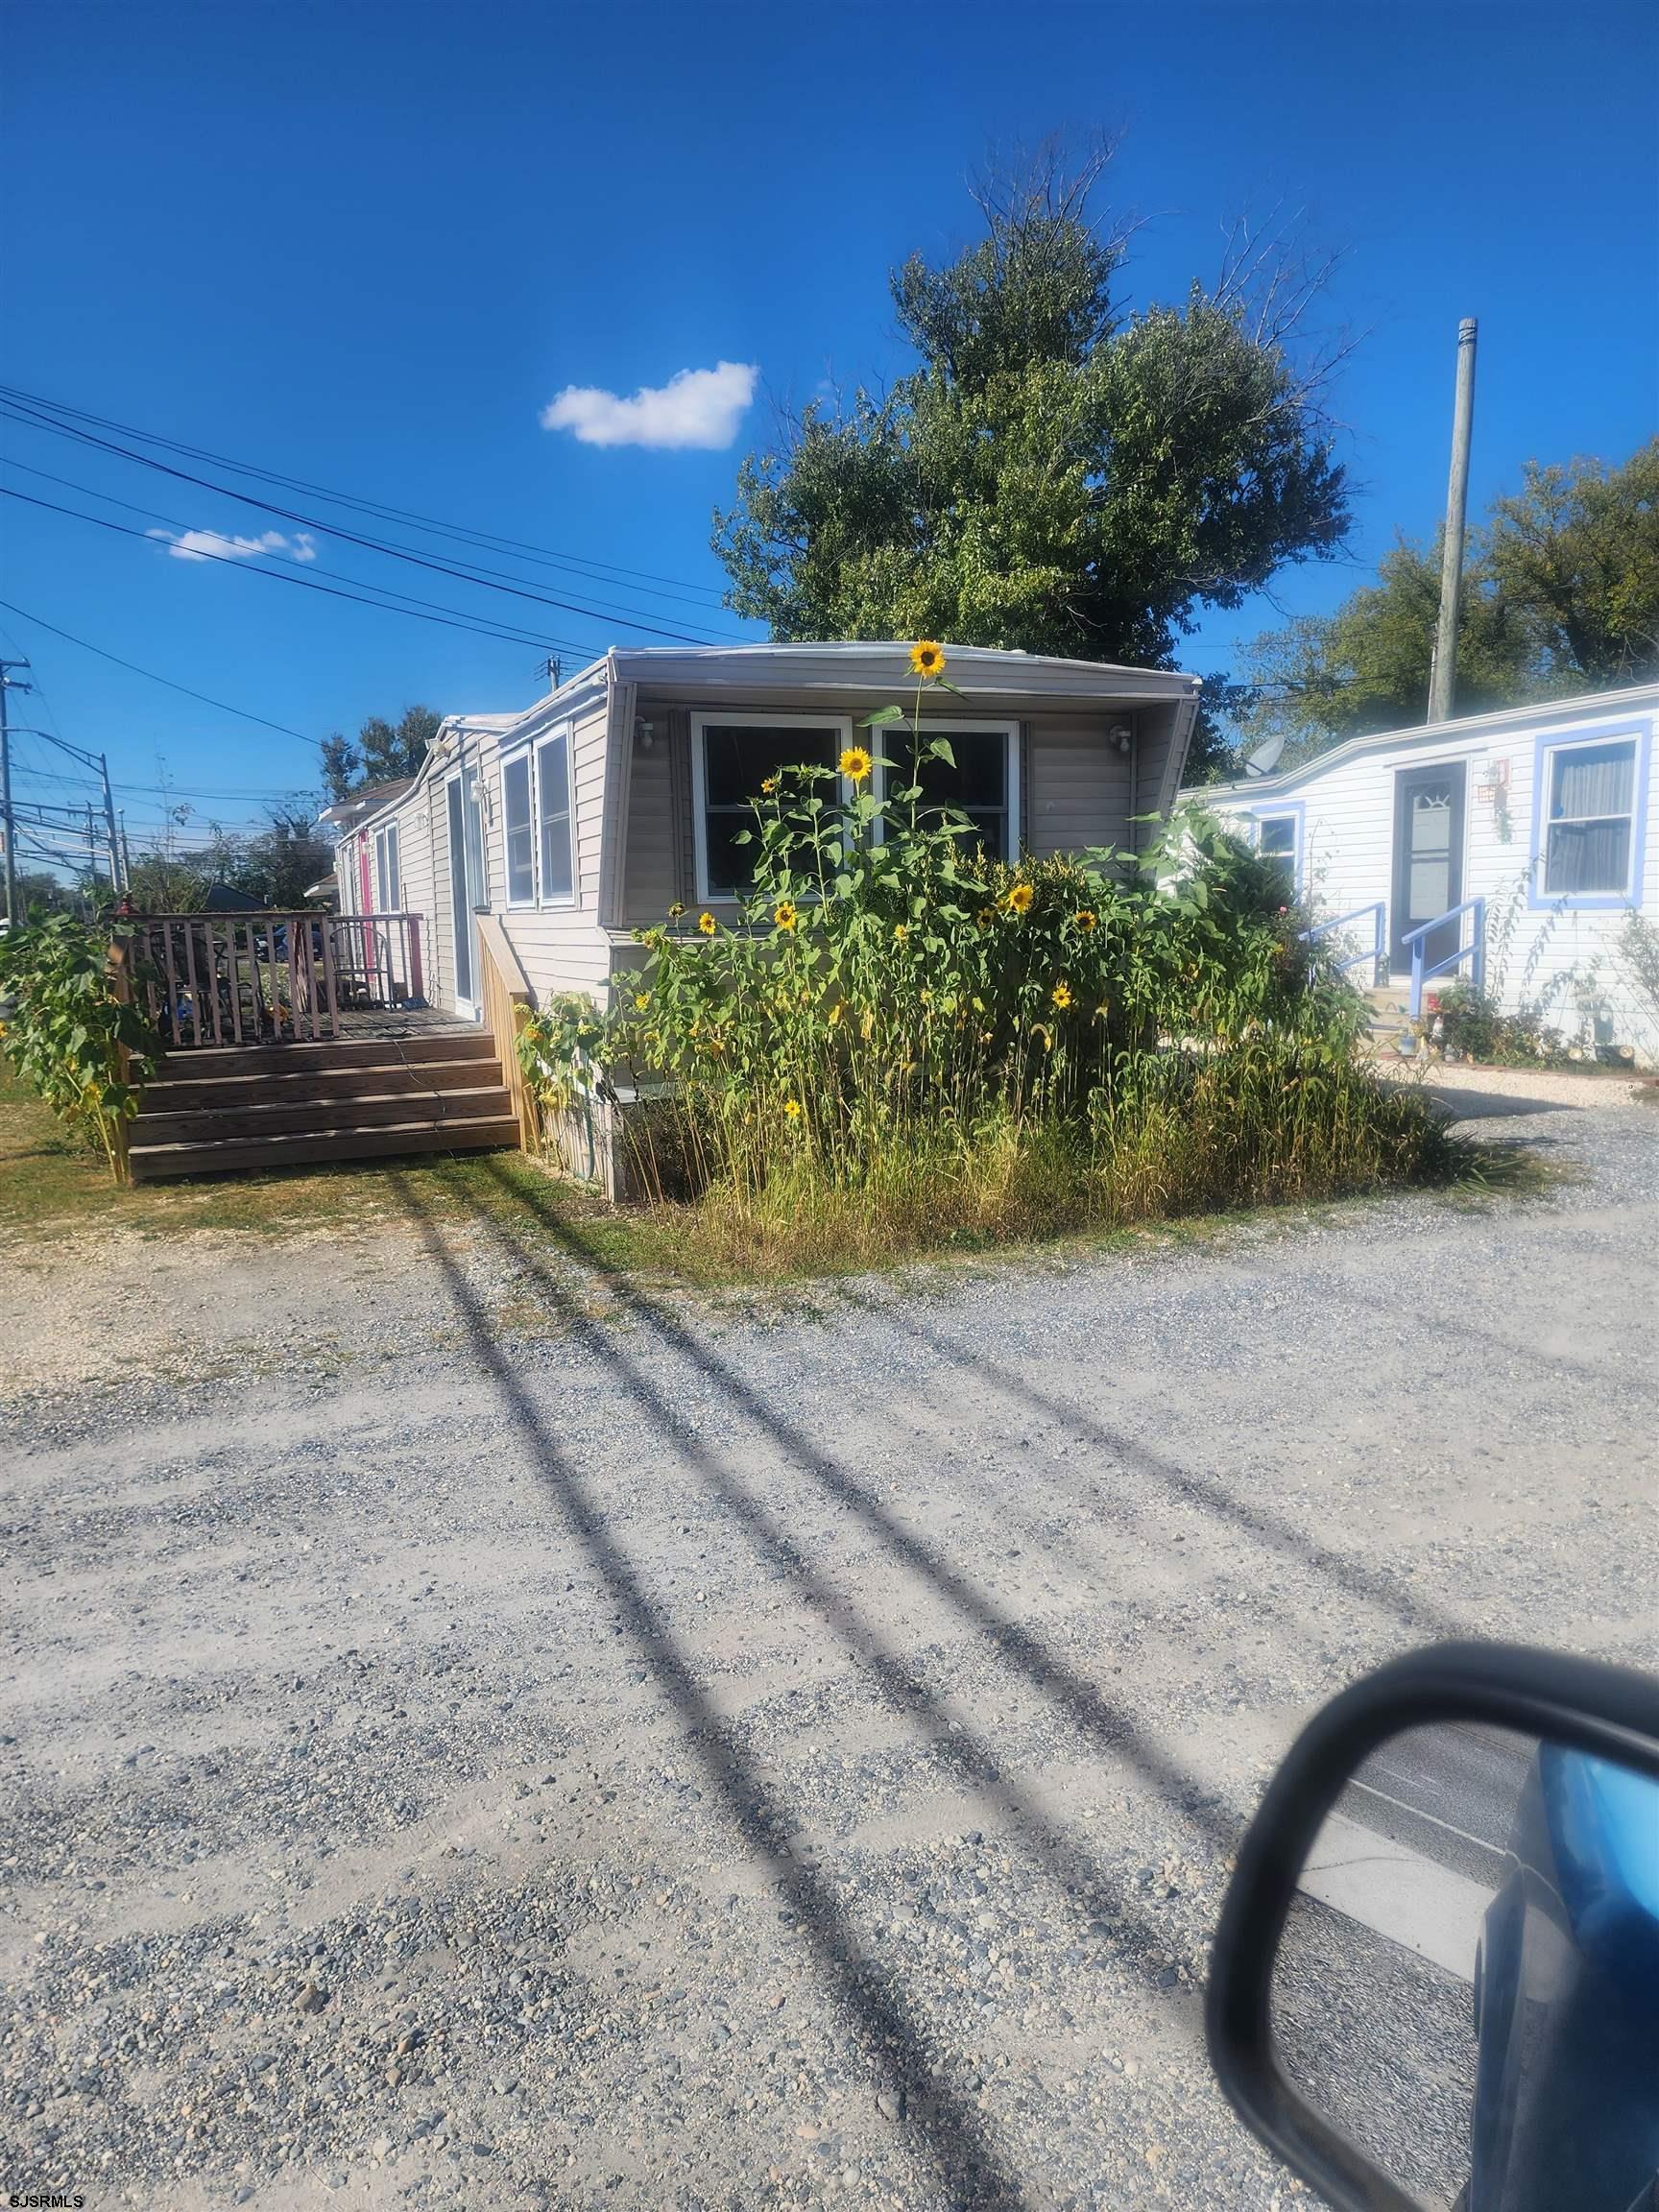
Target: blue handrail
point(1474, 951)
point(1378, 955)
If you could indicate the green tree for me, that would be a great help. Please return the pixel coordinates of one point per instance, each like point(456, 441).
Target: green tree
point(1060, 473)
point(40, 894)
point(342, 766)
point(1560, 596)
point(382, 752)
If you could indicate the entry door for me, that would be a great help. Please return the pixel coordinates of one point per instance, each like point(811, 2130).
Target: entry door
point(1428, 859)
point(466, 885)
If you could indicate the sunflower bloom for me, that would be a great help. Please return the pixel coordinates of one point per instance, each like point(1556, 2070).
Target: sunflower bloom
point(1061, 995)
point(768, 784)
point(784, 914)
point(792, 1107)
point(900, 930)
point(985, 917)
point(707, 924)
point(1085, 918)
point(675, 911)
point(926, 659)
point(1019, 898)
point(857, 763)
point(642, 999)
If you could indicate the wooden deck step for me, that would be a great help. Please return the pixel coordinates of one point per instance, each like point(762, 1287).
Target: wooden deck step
point(362, 1079)
point(318, 1145)
point(414, 1050)
point(161, 1123)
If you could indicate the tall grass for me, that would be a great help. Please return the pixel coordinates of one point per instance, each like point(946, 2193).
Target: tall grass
point(906, 1041)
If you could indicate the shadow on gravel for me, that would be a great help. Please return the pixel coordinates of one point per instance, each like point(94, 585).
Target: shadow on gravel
point(972, 2168)
point(1099, 1723)
point(1198, 1490)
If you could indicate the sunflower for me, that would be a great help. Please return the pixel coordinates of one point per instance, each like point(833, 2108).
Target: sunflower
point(785, 915)
point(792, 1107)
point(1061, 995)
point(1019, 898)
point(900, 930)
point(642, 999)
point(1085, 918)
point(926, 659)
point(675, 911)
point(768, 784)
point(985, 917)
point(708, 924)
point(855, 763)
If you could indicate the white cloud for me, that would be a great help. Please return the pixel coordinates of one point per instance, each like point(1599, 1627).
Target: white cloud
point(699, 407)
point(210, 545)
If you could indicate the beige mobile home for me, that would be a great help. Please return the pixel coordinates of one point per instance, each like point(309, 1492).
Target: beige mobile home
point(557, 832)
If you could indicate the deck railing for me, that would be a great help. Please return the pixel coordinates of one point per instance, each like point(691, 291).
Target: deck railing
point(1377, 952)
point(1474, 952)
point(269, 978)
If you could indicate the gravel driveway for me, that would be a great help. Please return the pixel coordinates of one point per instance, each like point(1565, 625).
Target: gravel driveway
point(482, 1735)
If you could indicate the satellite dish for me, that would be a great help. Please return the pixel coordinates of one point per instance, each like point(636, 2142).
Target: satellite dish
point(1265, 758)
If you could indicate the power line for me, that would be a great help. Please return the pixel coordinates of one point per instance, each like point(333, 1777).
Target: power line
point(461, 532)
point(86, 646)
point(417, 610)
point(380, 545)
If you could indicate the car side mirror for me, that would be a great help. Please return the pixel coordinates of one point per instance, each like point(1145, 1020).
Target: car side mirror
point(1436, 1977)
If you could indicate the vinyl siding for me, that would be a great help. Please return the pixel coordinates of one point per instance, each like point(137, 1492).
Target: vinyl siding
point(1348, 854)
point(1079, 786)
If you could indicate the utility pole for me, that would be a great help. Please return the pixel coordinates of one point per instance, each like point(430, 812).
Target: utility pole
point(7, 817)
point(91, 848)
point(126, 855)
point(1443, 681)
point(116, 878)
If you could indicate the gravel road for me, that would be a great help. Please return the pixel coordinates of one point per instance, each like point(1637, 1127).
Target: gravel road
point(480, 1734)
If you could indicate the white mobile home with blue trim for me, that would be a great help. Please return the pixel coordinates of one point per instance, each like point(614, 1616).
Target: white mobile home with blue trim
point(1510, 847)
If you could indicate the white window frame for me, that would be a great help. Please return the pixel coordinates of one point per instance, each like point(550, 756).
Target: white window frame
point(748, 719)
point(524, 753)
point(567, 730)
point(1551, 750)
point(387, 872)
point(1293, 815)
point(961, 725)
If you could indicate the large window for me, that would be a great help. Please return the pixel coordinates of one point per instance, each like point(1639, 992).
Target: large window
point(980, 780)
point(1589, 834)
point(519, 829)
point(553, 841)
point(732, 757)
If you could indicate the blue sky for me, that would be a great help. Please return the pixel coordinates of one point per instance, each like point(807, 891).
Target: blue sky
point(368, 244)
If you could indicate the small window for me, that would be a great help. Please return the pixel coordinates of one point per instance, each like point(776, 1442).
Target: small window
point(553, 824)
point(1592, 809)
point(980, 786)
point(386, 873)
point(1276, 841)
point(733, 758)
point(519, 830)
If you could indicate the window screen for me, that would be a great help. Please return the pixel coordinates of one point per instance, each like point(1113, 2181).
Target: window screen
point(553, 786)
point(738, 758)
point(519, 829)
point(976, 786)
point(1276, 841)
point(1592, 797)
